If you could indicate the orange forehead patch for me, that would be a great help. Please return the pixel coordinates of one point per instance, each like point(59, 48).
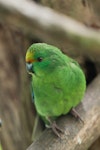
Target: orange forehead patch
point(29, 57)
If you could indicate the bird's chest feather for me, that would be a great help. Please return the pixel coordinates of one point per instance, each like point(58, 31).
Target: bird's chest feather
point(48, 97)
point(58, 93)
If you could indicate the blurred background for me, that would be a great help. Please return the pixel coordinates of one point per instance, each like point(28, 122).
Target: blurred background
point(17, 33)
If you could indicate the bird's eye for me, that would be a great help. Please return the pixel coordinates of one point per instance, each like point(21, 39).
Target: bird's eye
point(39, 59)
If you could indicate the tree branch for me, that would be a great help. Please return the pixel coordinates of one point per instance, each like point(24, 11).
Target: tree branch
point(81, 135)
point(51, 26)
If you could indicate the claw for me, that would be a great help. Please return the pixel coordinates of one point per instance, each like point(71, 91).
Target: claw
point(56, 129)
point(76, 114)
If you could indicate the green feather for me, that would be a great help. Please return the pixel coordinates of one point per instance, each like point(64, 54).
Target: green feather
point(58, 81)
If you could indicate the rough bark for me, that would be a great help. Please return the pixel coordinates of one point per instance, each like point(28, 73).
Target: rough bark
point(75, 9)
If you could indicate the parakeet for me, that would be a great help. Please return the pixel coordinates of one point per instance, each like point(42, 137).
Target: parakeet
point(58, 82)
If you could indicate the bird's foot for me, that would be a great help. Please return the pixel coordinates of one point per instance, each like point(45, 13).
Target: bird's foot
point(56, 129)
point(76, 114)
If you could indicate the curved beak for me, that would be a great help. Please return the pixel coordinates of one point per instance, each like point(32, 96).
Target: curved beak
point(29, 67)
point(29, 61)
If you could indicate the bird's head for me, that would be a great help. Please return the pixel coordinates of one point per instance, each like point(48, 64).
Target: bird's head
point(42, 58)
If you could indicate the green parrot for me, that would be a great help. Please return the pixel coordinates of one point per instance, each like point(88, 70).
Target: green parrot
point(58, 82)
